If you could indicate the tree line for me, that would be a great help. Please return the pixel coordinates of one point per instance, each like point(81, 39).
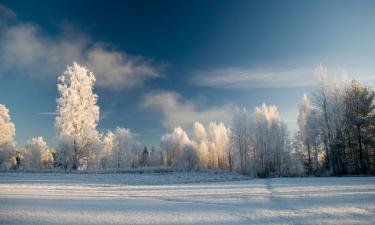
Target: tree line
point(337, 127)
point(335, 136)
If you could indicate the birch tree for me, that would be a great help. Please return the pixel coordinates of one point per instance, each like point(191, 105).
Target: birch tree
point(77, 118)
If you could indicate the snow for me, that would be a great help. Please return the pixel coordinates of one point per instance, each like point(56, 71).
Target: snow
point(183, 198)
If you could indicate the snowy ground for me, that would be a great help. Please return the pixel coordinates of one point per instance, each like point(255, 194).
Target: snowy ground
point(27, 198)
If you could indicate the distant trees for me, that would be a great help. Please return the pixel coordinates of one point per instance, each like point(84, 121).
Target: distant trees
point(77, 118)
point(241, 141)
point(7, 145)
point(208, 149)
point(338, 126)
point(172, 144)
point(271, 141)
point(305, 121)
point(37, 155)
point(262, 143)
point(107, 145)
point(121, 152)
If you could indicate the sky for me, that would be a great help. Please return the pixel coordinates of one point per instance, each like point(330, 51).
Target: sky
point(161, 64)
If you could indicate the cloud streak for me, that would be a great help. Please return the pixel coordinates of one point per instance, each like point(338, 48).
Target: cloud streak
point(177, 111)
point(46, 113)
point(240, 78)
point(237, 78)
point(26, 49)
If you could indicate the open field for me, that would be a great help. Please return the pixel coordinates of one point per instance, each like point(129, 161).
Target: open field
point(183, 198)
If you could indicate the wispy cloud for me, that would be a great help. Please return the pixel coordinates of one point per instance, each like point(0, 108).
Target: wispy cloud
point(46, 113)
point(239, 78)
point(177, 111)
point(25, 48)
point(6, 13)
point(234, 77)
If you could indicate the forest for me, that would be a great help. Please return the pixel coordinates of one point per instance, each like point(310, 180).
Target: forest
point(335, 136)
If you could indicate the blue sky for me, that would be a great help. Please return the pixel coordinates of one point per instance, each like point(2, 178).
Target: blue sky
point(161, 64)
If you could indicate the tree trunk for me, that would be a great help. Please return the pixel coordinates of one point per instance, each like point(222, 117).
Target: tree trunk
point(361, 164)
point(309, 157)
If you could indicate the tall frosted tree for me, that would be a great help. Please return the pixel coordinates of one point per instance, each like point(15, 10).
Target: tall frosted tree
point(122, 145)
point(172, 145)
point(271, 142)
point(219, 139)
point(77, 118)
point(304, 115)
point(261, 143)
point(208, 149)
point(107, 149)
point(7, 132)
point(321, 101)
point(241, 139)
point(201, 141)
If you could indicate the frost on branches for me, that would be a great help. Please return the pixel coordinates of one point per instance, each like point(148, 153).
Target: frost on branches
point(261, 143)
point(7, 132)
point(208, 149)
point(76, 120)
point(337, 126)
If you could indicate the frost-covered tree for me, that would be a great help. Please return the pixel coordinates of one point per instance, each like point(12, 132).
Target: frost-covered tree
point(309, 136)
point(37, 154)
point(77, 118)
point(138, 154)
point(341, 122)
point(188, 158)
point(241, 140)
point(219, 140)
point(262, 143)
point(208, 149)
point(7, 133)
point(304, 115)
point(201, 141)
point(107, 144)
point(122, 148)
point(270, 141)
point(155, 159)
point(172, 144)
point(321, 101)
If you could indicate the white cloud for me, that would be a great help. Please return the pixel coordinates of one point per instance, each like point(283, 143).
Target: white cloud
point(177, 111)
point(231, 78)
point(25, 49)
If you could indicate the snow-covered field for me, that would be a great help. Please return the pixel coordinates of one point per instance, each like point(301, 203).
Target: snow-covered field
point(27, 198)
